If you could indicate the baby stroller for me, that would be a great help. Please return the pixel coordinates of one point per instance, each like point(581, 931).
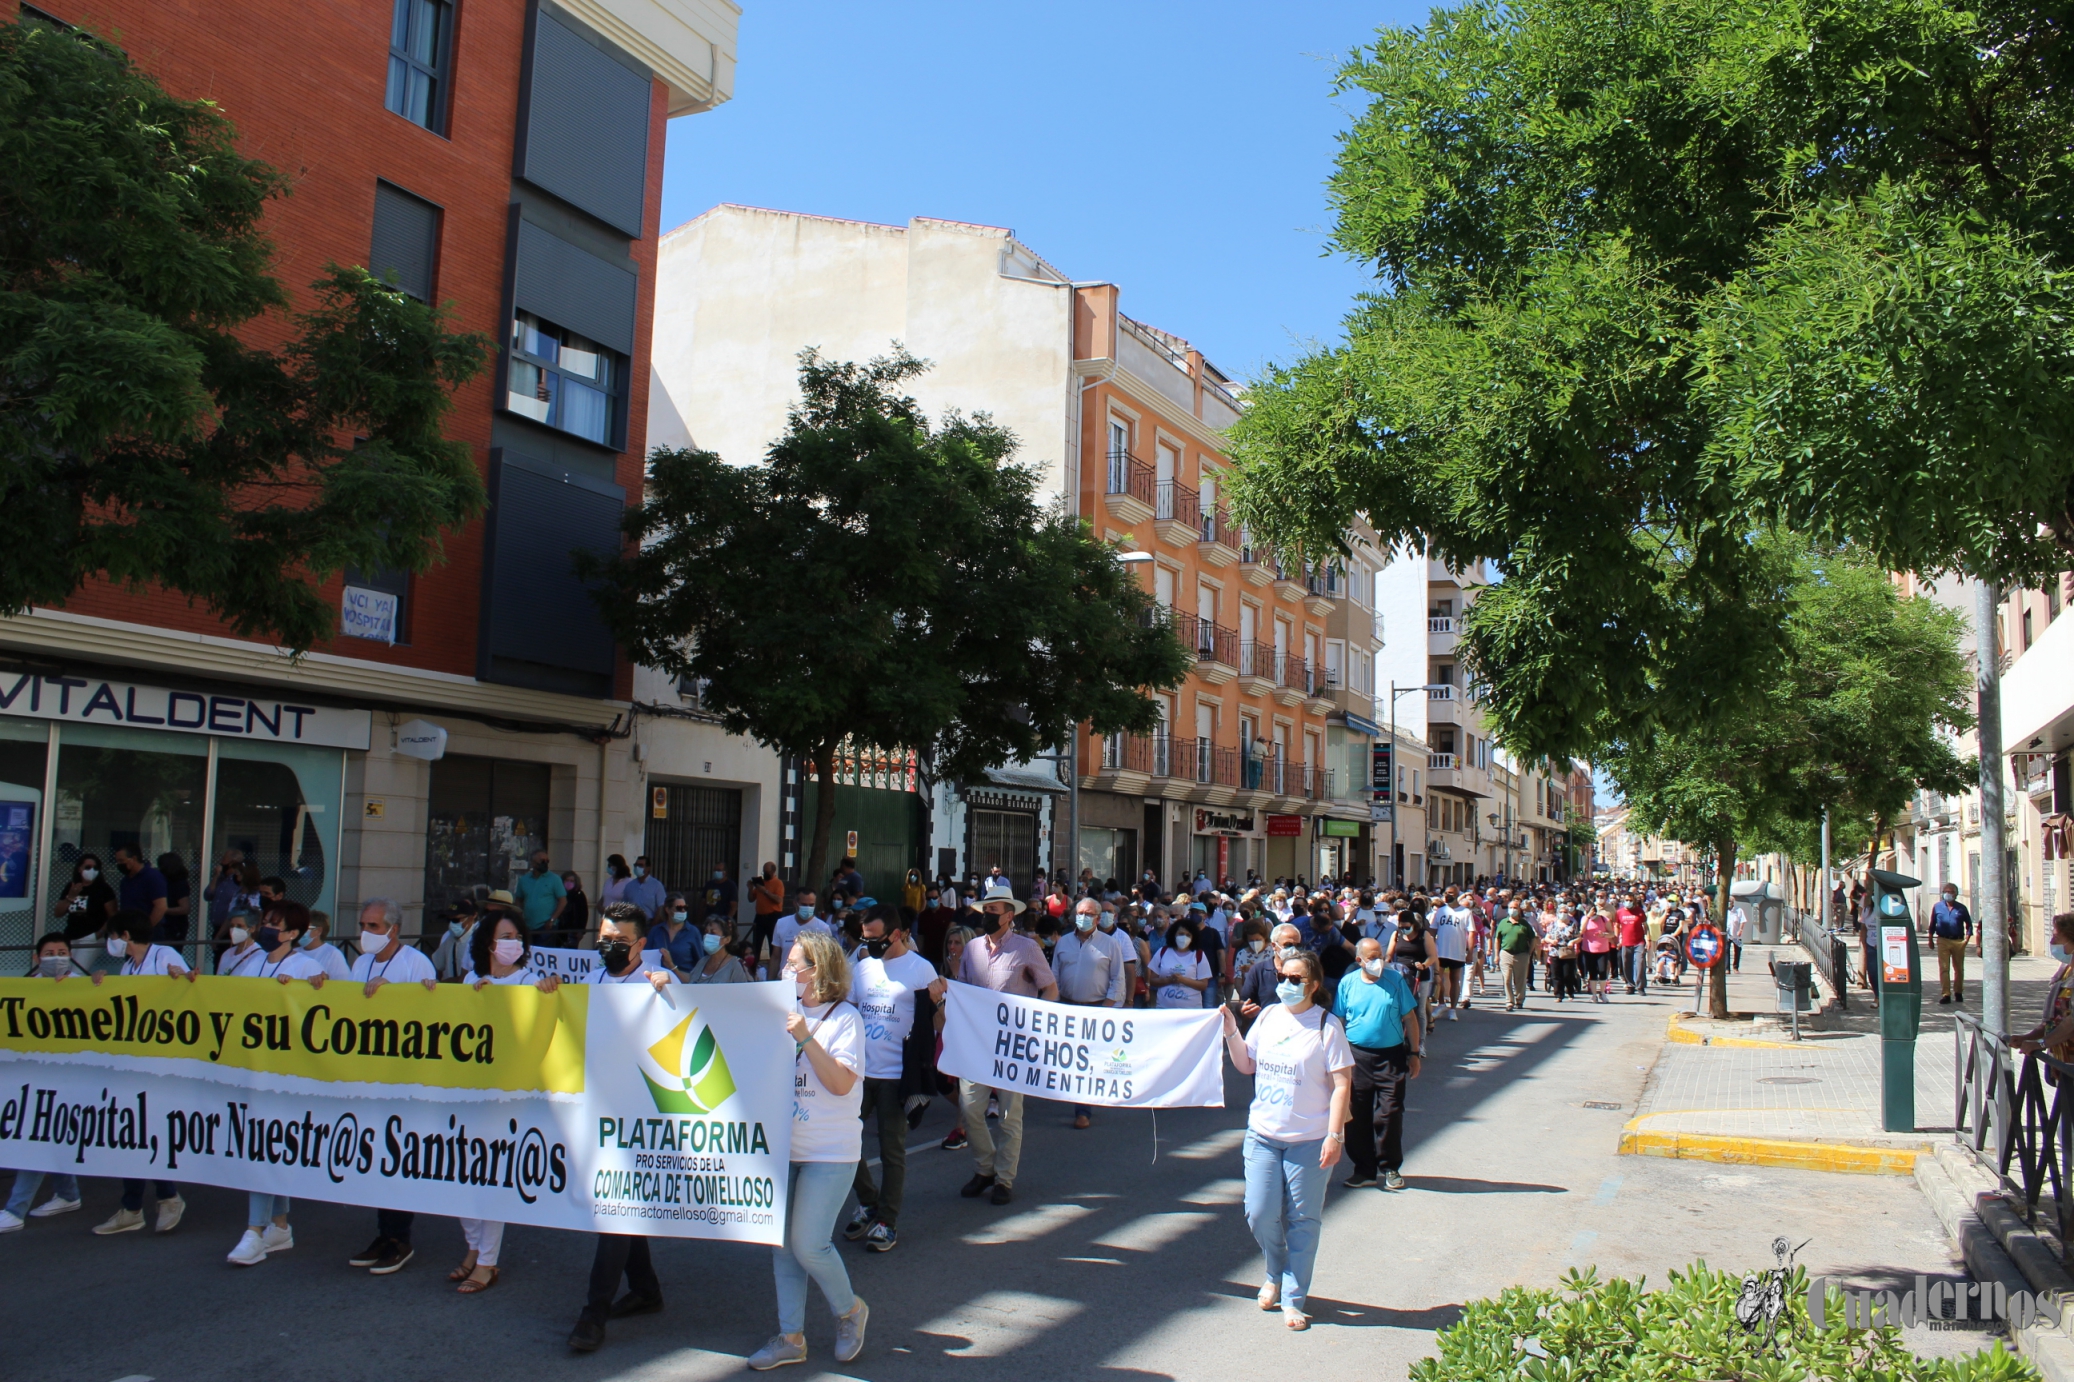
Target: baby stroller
point(1666, 965)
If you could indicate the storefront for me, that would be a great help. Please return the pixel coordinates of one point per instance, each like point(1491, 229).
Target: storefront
point(88, 764)
point(1225, 844)
point(1110, 826)
point(1342, 848)
point(1004, 828)
point(1284, 847)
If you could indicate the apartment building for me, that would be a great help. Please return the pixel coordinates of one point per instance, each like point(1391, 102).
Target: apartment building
point(1265, 757)
point(509, 167)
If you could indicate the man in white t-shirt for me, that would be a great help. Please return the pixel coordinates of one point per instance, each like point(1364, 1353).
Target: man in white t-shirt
point(1093, 967)
point(622, 938)
point(803, 917)
point(386, 959)
point(1454, 924)
point(885, 976)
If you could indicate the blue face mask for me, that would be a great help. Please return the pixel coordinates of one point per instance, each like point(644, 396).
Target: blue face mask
point(679, 917)
point(712, 945)
point(309, 940)
point(1290, 992)
point(806, 911)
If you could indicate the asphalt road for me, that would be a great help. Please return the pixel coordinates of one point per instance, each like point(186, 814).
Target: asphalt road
point(1124, 1255)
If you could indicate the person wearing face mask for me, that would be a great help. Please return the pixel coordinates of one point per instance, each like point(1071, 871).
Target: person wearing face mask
point(1110, 923)
point(827, 1139)
point(886, 976)
point(2055, 1034)
point(385, 959)
point(1259, 992)
point(767, 895)
point(720, 958)
point(803, 916)
point(1180, 971)
point(317, 942)
point(539, 895)
point(499, 958)
point(1382, 1029)
point(52, 960)
point(87, 902)
point(621, 933)
point(1005, 962)
point(130, 948)
point(1248, 952)
point(280, 939)
point(646, 891)
point(673, 940)
point(1951, 926)
point(576, 915)
point(453, 959)
point(1092, 970)
point(1303, 1074)
point(243, 955)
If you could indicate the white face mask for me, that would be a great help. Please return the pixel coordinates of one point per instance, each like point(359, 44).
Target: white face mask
point(1083, 922)
point(1183, 941)
point(801, 987)
point(1373, 968)
point(374, 944)
point(89, 875)
point(118, 947)
point(1108, 921)
point(1256, 945)
point(239, 935)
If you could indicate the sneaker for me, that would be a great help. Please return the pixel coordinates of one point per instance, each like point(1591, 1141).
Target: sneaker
point(589, 1333)
point(51, 1207)
point(778, 1352)
point(369, 1255)
point(123, 1221)
point(882, 1238)
point(1392, 1181)
point(11, 1223)
point(250, 1251)
point(977, 1186)
point(859, 1225)
point(1453, 1016)
point(954, 1140)
point(393, 1260)
point(1002, 1193)
point(993, 1108)
point(849, 1331)
point(169, 1212)
point(277, 1238)
point(1357, 1181)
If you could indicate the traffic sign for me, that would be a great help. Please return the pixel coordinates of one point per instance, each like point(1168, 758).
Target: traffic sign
point(1703, 946)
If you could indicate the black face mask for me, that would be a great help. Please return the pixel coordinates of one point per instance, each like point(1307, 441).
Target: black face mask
point(616, 956)
point(877, 948)
point(268, 937)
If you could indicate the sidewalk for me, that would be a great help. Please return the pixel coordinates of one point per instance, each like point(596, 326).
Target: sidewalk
point(1744, 1091)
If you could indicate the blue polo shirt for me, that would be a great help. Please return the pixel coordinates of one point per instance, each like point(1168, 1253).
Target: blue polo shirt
point(1374, 1013)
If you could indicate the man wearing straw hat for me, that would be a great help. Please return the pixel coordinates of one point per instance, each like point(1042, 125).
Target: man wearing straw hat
point(1005, 962)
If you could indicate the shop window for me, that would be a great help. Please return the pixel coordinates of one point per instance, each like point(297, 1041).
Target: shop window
point(279, 805)
point(484, 819)
point(126, 787)
point(24, 747)
point(420, 50)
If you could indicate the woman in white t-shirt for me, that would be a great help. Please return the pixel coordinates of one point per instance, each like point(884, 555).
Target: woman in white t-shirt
point(1179, 972)
point(827, 1141)
point(497, 956)
point(1303, 1078)
point(282, 958)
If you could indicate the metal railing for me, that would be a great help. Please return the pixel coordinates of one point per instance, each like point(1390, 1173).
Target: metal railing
point(1174, 500)
point(1217, 527)
point(1294, 673)
point(2001, 1115)
point(1129, 475)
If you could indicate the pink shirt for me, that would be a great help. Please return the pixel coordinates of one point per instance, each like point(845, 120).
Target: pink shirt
point(1017, 967)
point(1598, 934)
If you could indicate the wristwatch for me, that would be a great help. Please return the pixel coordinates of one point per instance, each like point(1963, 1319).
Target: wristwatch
point(1336, 1137)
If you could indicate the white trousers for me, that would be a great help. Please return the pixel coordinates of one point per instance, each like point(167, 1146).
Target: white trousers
point(484, 1237)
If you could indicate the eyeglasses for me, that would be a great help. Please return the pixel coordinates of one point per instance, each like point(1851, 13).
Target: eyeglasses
point(792, 971)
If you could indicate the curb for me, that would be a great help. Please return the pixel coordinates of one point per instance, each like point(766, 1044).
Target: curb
point(1680, 1035)
point(1842, 1157)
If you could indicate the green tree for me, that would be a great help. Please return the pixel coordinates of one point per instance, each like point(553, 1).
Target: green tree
point(145, 436)
point(881, 580)
point(1651, 276)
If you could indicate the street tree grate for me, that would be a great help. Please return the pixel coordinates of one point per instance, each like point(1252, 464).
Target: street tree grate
point(1596, 1103)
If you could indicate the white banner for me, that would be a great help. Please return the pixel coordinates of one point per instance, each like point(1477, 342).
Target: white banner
point(612, 1108)
point(1120, 1057)
point(574, 966)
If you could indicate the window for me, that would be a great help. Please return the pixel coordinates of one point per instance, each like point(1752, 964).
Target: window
point(484, 819)
point(2052, 599)
point(2027, 629)
point(420, 38)
point(562, 379)
point(405, 247)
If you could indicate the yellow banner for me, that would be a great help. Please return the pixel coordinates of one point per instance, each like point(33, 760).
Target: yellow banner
point(502, 1037)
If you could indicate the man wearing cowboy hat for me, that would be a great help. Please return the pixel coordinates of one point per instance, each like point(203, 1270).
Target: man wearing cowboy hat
point(1005, 962)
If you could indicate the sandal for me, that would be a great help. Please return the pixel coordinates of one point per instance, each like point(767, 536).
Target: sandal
point(474, 1286)
point(464, 1271)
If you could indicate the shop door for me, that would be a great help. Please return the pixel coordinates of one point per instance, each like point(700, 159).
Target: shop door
point(485, 819)
point(1007, 838)
point(701, 831)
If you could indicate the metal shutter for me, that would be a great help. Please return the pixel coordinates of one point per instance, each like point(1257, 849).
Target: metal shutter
point(406, 240)
point(585, 131)
point(535, 609)
point(572, 287)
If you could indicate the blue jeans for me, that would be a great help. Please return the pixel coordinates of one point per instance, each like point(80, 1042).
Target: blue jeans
point(818, 1191)
point(262, 1209)
point(27, 1183)
point(1285, 1190)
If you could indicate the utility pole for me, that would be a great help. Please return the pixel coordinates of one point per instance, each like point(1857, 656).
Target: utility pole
point(1994, 895)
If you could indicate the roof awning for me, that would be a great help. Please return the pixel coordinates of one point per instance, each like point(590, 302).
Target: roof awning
point(1360, 724)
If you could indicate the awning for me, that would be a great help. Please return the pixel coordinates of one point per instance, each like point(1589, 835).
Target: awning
point(1028, 777)
point(1360, 724)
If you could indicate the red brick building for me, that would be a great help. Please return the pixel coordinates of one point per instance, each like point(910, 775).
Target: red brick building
point(502, 157)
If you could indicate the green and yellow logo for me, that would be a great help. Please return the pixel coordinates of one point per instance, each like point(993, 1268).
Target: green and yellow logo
point(688, 1074)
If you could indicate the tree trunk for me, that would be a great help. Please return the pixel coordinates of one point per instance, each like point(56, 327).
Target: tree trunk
point(824, 819)
point(1724, 878)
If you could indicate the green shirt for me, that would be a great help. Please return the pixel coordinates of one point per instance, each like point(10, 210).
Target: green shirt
point(540, 895)
point(1515, 937)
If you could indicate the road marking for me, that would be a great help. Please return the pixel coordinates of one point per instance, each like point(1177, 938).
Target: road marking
point(1000, 1322)
point(1151, 1232)
point(923, 1145)
point(1105, 1261)
point(1211, 1147)
point(1033, 1223)
point(1608, 1188)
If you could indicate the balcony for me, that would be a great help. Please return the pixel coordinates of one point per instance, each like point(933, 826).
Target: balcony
point(1323, 682)
point(1177, 514)
point(1288, 584)
point(1321, 588)
point(1219, 543)
point(1254, 564)
point(1440, 762)
point(1256, 669)
point(1185, 767)
point(1216, 648)
point(1129, 494)
point(1292, 679)
point(1441, 636)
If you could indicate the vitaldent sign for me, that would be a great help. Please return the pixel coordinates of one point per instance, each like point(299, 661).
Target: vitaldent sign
point(90, 701)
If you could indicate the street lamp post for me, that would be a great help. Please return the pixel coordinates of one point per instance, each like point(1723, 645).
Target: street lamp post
point(1073, 771)
point(1395, 692)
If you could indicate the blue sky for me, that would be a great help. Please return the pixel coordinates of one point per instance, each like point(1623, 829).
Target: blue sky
point(1177, 150)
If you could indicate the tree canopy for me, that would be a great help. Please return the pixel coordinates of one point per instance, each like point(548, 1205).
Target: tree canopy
point(881, 579)
point(1654, 279)
point(144, 436)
